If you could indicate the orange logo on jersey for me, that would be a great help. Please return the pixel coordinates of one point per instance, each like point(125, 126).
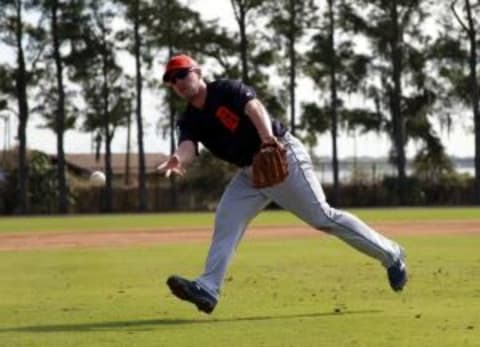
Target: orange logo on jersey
point(228, 118)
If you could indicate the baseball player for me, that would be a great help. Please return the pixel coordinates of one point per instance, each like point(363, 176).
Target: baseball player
point(227, 118)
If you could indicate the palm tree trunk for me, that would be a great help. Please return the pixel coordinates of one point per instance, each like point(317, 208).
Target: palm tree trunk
point(142, 187)
point(239, 10)
point(171, 109)
point(293, 63)
point(397, 115)
point(475, 96)
point(333, 102)
point(244, 46)
point(21, 86)
point(108, 138)
point(127, 156)
point(60, 114)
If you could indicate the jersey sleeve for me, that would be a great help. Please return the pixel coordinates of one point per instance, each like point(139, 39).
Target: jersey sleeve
point(239, 94)
point(185, 132)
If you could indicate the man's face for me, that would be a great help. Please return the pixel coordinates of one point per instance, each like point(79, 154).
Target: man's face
point(185, 82)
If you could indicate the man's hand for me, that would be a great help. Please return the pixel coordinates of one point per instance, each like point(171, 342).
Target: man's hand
point(172, 165)
point(179, 160)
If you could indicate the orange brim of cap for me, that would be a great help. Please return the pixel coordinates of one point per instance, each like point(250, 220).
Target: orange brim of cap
point(176, 63)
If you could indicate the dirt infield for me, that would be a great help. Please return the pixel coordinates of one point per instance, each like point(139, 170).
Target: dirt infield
point(51, 240)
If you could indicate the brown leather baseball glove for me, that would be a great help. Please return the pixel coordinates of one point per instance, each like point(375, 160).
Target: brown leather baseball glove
point(270, 166)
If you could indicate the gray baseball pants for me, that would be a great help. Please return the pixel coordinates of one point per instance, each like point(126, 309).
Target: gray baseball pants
point(301, 194)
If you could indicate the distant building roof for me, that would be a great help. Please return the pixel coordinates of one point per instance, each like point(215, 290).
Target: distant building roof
point(87, 162)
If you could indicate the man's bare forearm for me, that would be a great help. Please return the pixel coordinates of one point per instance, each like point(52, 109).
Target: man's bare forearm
point(260, 119)
point(185, 152)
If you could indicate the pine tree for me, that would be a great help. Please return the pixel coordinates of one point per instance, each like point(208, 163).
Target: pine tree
point(469, 21)
point(290, 20)
point(333, 64)
point(15, 32)
point(394, 29)
point(136, 14)
point(65, 20)
point(104, 86)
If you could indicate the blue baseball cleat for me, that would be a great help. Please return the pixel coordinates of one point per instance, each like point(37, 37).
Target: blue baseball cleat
point(397, 275)
point(192, 292)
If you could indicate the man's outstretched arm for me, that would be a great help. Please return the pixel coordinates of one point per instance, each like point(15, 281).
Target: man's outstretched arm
point(260, 119)
point(178, 162)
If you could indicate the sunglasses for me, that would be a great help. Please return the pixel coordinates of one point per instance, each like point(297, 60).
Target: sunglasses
point(178, 74)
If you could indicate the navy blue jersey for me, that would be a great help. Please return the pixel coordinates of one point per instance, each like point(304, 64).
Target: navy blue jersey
point(222, 125)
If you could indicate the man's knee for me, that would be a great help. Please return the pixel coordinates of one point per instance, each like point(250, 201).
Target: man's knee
point(325, 218)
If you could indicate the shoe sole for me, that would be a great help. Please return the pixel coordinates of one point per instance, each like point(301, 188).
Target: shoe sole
point(179, 291)
point(399, 286)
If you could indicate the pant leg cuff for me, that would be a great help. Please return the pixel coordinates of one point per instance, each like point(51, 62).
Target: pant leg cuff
point(204, 285)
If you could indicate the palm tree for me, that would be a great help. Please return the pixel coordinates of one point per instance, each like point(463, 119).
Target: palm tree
point(469, 26)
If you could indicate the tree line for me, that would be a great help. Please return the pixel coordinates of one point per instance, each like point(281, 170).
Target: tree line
point(412, 63)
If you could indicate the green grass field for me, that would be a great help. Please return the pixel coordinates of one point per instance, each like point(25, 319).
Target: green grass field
point(312, 292)
point(178, 220)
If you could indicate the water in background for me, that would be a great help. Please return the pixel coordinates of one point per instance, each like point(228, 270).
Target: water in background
point(374, 171)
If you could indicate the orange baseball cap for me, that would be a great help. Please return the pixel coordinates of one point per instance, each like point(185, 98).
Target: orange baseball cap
point(177, 62)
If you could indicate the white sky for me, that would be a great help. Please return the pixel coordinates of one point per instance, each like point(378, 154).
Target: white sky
point(459, 143)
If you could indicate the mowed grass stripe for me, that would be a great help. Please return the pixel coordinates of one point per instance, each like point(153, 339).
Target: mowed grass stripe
point(155, 221)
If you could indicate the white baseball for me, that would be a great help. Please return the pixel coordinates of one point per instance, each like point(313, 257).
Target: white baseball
point(97, 178)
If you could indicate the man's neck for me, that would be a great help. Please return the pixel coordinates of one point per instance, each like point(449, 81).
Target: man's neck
point(198, 100)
